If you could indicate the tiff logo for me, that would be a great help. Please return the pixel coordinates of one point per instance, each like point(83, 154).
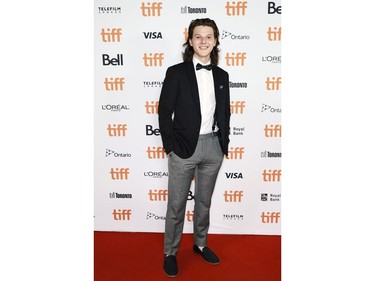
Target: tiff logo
point(155, 152)
point(151, 60)
point(190, 216)
point(121, 215)
point(237, 107)
point(152, 9)
point(274, 34)
point(233, 196)
point(119, 173)
point(272, 131)
point(273, 84)
point(117, 130)
point(236, 9)
point(114, 84)
point(152, 107)
point(186, 33)
point(272, 217)
point(271, 175)
point(235, 153)
point(235, 59)
point(111, 35)
point(158, 195)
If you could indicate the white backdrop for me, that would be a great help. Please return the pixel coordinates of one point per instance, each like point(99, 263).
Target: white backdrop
point(135, 42)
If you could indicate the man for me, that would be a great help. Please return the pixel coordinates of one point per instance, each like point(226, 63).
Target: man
point(194, 118)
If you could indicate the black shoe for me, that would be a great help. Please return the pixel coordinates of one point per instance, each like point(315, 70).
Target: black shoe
point(207, 254)
point(170, 266)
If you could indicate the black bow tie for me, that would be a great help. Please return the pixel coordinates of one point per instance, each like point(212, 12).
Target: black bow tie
point(208, 66)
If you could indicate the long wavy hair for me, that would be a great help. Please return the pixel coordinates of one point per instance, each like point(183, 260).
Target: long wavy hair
point(187, 55)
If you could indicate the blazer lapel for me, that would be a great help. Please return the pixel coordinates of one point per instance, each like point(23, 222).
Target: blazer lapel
point(216, 83)
point(193, 82)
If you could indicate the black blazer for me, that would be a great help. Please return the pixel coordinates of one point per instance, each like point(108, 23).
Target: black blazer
point(179, 109)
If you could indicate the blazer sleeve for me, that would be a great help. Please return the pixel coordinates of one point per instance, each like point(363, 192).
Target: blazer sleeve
point(166, 106)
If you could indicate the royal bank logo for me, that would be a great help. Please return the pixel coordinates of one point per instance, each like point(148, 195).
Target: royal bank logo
point(271, 197)
point(237, 131)
point(229, 35)
point(271, 109)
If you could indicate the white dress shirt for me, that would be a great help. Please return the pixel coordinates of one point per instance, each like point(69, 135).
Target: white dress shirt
point(206, 96)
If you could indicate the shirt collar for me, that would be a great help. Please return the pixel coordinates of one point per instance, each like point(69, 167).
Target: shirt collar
point(196, 61)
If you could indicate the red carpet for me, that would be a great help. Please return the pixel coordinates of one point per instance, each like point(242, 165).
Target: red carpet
point(124, 256)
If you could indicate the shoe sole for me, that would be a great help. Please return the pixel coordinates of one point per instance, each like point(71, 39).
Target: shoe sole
point(171, 276)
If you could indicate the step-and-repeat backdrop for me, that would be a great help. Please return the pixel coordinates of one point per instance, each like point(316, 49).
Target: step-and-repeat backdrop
point(135, 42)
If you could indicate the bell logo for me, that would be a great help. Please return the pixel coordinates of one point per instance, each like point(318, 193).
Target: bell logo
point(152, 107)
point(233, 196)
point(235, 153)
point(237, 107)
point(151, 60)
point(272, 217)
point(121, 215)
point(272, 131)
point(235, 59)
point(117, 130)
point(158, 195)
point(236, 9)
point(111, 35)
point(114, 84)
point(274, 33)
point(155, 152)
point(152, 9)
point(119, 173)
point(273, 84)
point(271, 175)
point(190, 216)
point(107, 60)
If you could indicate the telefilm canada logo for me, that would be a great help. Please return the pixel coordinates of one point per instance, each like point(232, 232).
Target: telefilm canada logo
point(152, 84)
point(233, 217)
point(109, 10)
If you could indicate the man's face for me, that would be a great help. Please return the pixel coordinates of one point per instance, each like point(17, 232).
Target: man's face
point(203, 41)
